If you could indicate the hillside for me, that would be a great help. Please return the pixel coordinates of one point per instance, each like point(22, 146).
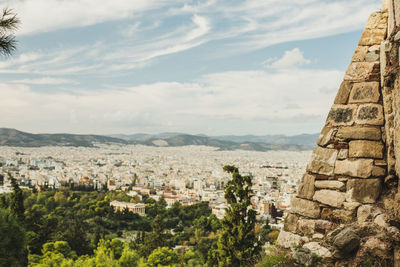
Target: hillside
point(12, 137)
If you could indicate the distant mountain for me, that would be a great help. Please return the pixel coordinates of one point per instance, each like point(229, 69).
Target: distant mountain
point(12, 137)
point(302, 139)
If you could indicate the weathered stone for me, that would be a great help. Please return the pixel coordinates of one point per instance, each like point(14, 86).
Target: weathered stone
point(323, 226)
point(322, 161)
point(343, 153)
point(375, 247)
point(377, 20)
point(372, 56)
point(343, 216)
point(359, 56)
point(341, 115)
point(372, 37)
point(347, 240)
point(351, 205)
point(306, 187)
point(365, 92)
point(330, 197)
point(365, 149)
point(397, 12)
point(343, 93)
point(383, 60)
point(364, 213)
point(396, 256)
point(330, 184)
point(306, 227)
point(305, 207)
point(371, 114)
point(381, 220)
point(355, 168)
point(361, 71)
point(359, 132)
point(391, 23)
point(288, 240)
point(325, 136)
point(378, 171)
point(291, 223)
point(317, 236)
point(319, 250)
point(363, 190)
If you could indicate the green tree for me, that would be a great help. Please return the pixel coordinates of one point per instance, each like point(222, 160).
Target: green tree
point(17, 200)
point(162, 256)
point(238, 244)
point(9, 23)
point(13, 250)
point(156, 238)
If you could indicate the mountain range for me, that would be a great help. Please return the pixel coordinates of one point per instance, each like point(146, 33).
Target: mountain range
point(12, 137)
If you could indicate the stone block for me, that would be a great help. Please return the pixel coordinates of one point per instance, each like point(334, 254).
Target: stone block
point(377, 20)
point(371, 114)
point(343, 153)
point(318, 250)
point(306, 187)
point(378, 171)
point(381, 221)
point(306, 227)
point(372, 56)
point(391, 23)
point(365, 92)
point(364, 213)
point(365, 191)
point(355, 168)
point(305, 207)
point(377, 248)
point(330, 184)
point(288, 239)
point(365, 149)
point(341, 115)
point(330, 197)
point(291, 223)
point(359, 132)
point(351, 205)
point(325, 136)
point(384, 47)
point(359, 56)
point(322, 160)
point(343, 216)
point(347, 240)
point(397, 12)
point(343, 93)
point(323, 226)
point(362, 71)
point(372, 37)
point(396, 256)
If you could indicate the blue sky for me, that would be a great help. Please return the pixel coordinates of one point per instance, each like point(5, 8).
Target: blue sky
point(212, 67)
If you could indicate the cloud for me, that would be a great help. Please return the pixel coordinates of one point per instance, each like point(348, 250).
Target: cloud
point(49, 15)
point(44, 81)
point(237, 102)
point(291, 59)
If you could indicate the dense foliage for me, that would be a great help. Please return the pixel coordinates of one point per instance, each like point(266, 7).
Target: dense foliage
point(66, 227)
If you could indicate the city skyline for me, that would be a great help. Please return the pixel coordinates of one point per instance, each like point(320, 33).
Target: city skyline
point(216, 68)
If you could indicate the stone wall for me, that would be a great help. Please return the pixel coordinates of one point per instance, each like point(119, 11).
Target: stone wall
point(347, 206)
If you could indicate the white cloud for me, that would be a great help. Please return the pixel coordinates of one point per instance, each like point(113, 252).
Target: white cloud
point(50, 15)
point(44, 81)
point(257, 101)
point(291, 59)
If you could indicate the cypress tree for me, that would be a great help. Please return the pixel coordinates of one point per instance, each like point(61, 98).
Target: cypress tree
point(238, 244)
point(17, 200)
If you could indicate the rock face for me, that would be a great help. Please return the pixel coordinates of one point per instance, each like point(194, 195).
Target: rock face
point(348, 202)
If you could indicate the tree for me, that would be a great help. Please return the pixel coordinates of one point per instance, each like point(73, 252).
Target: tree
point(238, 244)
point(17, 200)
point(163, 256)
point(13, 250)
point(9, 23)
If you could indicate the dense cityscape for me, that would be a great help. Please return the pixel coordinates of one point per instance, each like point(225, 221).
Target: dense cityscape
point(178, 174)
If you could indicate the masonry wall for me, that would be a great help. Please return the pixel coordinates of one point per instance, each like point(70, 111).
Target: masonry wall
point(347, 206)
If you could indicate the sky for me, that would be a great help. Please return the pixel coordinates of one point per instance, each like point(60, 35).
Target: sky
point(213, 67)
